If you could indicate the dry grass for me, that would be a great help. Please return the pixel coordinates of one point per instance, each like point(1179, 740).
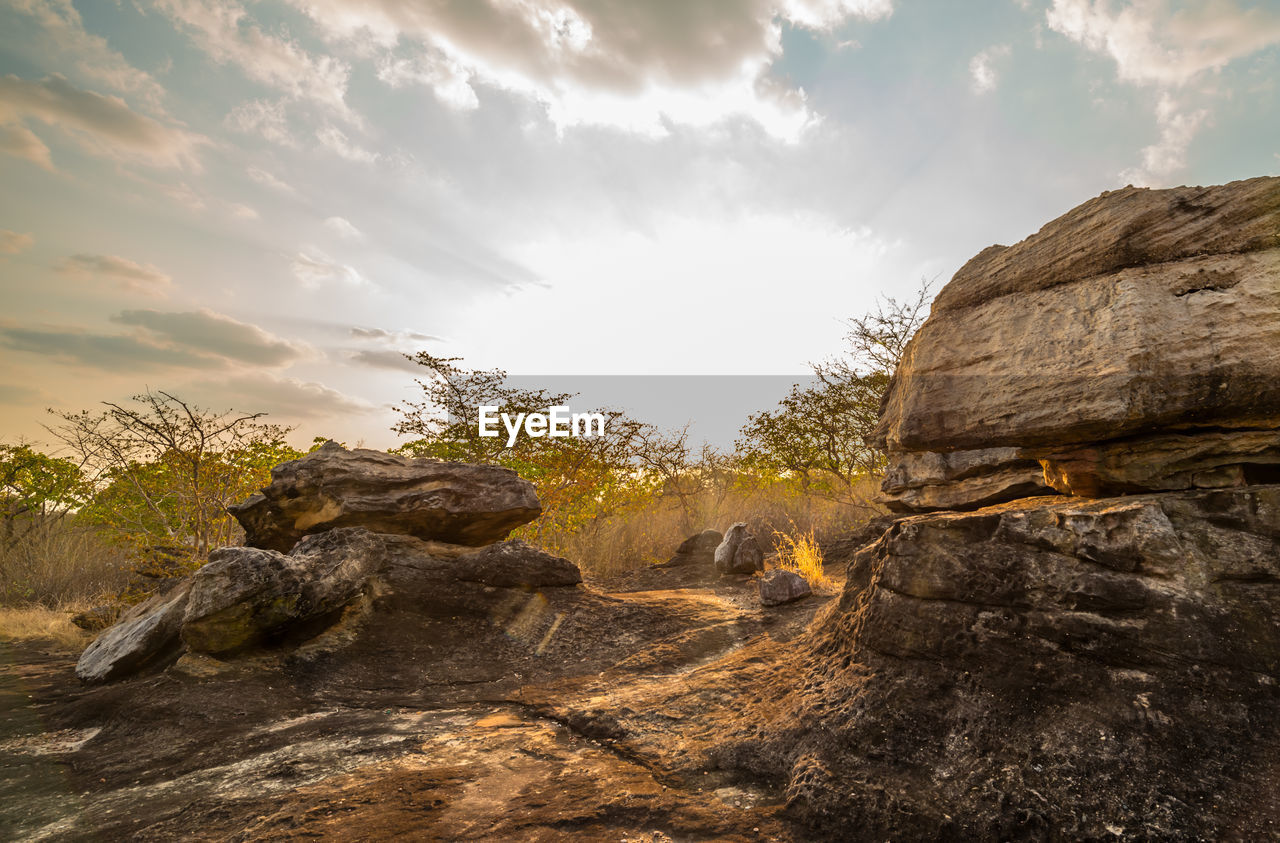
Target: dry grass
point(54, 561)
point(799, 552)
point(40, 623)
point(651, 532)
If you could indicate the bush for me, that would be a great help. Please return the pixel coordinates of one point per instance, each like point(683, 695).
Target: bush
point(56, 561)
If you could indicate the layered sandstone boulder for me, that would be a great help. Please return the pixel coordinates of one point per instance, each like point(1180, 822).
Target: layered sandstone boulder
point(1098, 656)
point(458, 503)
point(1131, 345)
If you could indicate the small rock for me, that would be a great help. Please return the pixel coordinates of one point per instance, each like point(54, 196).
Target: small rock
point(98, 618)
point(739, 552)
point(698, 549)
point(782, 586)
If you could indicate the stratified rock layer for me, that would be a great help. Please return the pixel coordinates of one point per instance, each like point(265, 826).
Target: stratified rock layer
point(458, 503)
point(1128, 346)
point(1055, 668)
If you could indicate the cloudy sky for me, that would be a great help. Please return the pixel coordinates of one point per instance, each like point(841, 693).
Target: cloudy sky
point(261, 204)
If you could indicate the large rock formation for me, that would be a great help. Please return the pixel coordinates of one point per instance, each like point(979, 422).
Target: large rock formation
point(459, 503)
point(1080, 664)
point(1128, 346)
point(355, 524)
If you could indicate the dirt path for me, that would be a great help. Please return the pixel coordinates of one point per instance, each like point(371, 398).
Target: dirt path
point(601, 733)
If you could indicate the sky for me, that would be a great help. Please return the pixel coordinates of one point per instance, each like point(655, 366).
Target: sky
point(263, 205)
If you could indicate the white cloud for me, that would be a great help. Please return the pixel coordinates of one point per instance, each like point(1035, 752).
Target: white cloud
point(243, 212)
point(280, 395)
point(1169, 154)
point(635, 66)
point(64, 35)
point(1152, 43)
point(104, 125)
point(314, 268)
point(264, 118)
point(982, 68)
point(335, 140)
point(20, 142)
point(1157, 46)
point(266, 179)
point(225, 31)
point(13, 242)
point(124, 273)
point(447, 79)
point(344, 229)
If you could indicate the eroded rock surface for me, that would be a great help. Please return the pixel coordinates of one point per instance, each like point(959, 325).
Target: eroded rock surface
point(459, 503)
point(739, 552)
point(698, 549)
point(1046, 669)
point(780, 586)
point(1127, 346)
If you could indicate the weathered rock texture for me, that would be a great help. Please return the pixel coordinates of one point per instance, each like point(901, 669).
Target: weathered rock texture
point(1047, 669)
point(739, 552)
point(1128, 346)
point(248, 598)
point(698, 549)
point(459, 503)
point(780, 586)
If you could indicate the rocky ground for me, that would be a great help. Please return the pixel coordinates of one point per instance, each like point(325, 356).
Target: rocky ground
point(604, 734)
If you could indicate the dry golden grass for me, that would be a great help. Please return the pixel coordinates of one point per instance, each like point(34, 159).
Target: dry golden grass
point(54, 561)
point(799, 552)
point(643, 535)
point(38, 622)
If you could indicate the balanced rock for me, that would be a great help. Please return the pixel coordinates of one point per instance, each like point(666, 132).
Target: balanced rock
point(781, 586)
point(1128, 346)
point(459, 503)
point(739, 552)
point(698, 549)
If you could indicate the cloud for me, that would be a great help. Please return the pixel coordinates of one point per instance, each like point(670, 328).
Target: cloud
point(313, 268)
point(1153, 44)
point(344, 229)
point(383, 335)
point(14, 395)
point(13, 243)
point(278, 395)
point(260, 117)
point(104, 352)
point(335, 140)
point(982, 68)
point(224, 30)
point(202, 340)
point(1169, 154)
point(265, 179)
point(20, 142)
point(598, 62)
point(62, 34)
point(208, 332)
point(104, 125)
point(384, 359)
point(447, 79)
point(128, 275)
point(243, 212)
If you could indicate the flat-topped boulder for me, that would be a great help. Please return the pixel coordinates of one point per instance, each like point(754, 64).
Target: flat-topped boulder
point(1128, 346)
point(458, 503)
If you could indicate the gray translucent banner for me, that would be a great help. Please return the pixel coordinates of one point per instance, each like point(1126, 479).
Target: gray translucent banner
point(714, 406)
